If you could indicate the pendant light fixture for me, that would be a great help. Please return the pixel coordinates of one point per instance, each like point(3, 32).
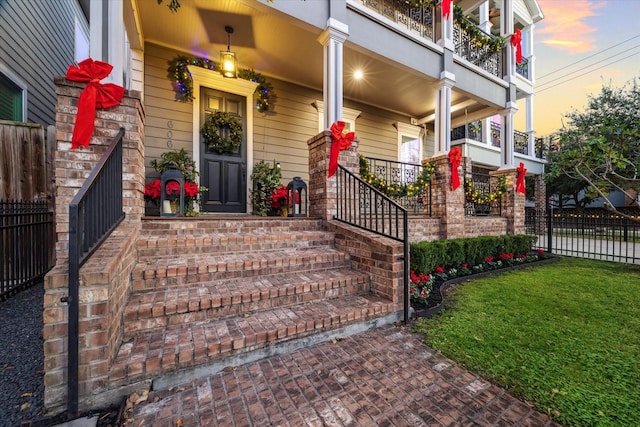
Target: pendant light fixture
point(228, 58)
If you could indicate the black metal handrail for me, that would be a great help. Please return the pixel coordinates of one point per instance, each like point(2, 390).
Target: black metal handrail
point(94, 213)
point(361, 205)
point(523, 68)
point(403, 173)
point(25, 238)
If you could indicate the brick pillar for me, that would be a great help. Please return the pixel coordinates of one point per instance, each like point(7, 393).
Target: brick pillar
point(323, 190)
point(447, 204)
point(512, 202)
point(540, 200)
point(72, 167)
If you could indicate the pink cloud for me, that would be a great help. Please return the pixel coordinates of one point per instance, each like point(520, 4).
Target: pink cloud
point(564, 26)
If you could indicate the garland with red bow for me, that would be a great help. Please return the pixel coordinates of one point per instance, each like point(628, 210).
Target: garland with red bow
point(95, 95)
point(339, 141)
point(520, 187)
point(455, 156)
point(516, 41)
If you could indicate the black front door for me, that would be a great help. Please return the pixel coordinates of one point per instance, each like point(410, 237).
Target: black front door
point(224, 175)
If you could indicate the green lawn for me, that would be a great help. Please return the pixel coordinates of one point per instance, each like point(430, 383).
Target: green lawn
point(563, 336)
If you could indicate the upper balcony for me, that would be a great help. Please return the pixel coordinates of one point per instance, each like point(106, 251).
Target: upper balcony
point(522, 144)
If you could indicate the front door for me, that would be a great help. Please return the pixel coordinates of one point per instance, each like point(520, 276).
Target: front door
point(224, 175)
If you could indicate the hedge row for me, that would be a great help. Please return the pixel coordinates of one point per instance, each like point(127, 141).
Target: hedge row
point(426, 256)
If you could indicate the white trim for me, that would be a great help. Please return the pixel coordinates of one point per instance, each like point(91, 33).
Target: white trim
point(21, 84)
point(213, 79)
point(349, 116)
point(411, 131)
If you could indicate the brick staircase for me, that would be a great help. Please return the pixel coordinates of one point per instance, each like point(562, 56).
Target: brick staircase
point(211, 292)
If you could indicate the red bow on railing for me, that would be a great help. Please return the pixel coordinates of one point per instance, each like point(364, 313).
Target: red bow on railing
point(520, 187)
point(455, 155)
point(95, 95)
point(446, 8)
point(516, 41)
point(339, 142)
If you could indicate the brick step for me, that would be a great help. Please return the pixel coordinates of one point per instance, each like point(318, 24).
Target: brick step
point(174, 307)
point(165, 272)
point(162, 352)
point(235, 224)
point(201, 241)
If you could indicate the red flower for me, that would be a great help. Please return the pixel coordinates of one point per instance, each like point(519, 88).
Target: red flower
point(488, 259)
point(172, 188)
point(540, 251)
point(152, 190)
point(465, 265)
point(279, 197)
point(439, 269)
point(190, 189)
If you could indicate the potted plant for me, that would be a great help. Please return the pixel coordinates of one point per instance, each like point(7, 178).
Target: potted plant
point(182, 161)
point(266, 178)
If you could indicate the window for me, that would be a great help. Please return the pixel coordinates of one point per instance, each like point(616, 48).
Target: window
point(81, 51)
point(409, 143)
point(11, 99)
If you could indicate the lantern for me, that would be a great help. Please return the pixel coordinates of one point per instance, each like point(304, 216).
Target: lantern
point(171, 192)
point(297, 196)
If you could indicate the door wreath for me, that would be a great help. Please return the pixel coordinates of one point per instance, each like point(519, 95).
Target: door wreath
point(222, 132)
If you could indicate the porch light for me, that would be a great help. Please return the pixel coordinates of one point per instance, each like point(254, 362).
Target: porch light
point(228, 58)
point(297, 197)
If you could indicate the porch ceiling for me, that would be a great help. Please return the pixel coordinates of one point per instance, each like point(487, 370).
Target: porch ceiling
point(276, 47)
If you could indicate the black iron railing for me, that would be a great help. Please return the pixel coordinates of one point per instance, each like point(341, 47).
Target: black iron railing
point(25, 242)
point(361, 205)
point(473, 131)
point(94, 213)
point(479, 189)
point(418, 20)
point(479, 54)
point(520, 142)
point(402, 174)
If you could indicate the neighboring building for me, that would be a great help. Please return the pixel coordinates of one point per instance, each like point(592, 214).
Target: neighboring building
point(38, 40)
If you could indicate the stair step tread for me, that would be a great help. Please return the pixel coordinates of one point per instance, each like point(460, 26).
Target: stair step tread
point(154, 308)
point(168, 350)
point(167, 266)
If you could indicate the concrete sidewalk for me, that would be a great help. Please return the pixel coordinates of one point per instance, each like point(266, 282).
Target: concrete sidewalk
point(384, 377)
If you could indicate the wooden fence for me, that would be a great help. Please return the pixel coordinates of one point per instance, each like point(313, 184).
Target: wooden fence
point(26, 168)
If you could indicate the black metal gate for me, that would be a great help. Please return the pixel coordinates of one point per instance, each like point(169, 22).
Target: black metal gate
point(594, 233)
point(26, 239)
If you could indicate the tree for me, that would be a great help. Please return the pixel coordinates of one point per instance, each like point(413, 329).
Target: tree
point(599, 148)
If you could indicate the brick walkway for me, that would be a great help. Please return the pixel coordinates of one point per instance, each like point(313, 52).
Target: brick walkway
point(385, 377)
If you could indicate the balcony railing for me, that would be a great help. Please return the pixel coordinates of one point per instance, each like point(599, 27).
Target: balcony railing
point(418, 20)
point(523, 68)
point(474, 132)
point(478, 190)
point(478, 54)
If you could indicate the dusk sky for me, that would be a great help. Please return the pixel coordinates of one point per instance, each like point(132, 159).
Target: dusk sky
point(579, 46)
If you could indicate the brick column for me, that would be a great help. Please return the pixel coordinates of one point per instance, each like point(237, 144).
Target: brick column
point(540, 200)
point(323, 190)
point(512, 202)
point(448, 204)
point(100, 293)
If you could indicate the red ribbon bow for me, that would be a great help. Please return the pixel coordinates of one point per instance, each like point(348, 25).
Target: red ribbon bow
point(95, 95)
point(455, 155)
point(516, 41)
point(339, 142)
point(522, 171)
point(446, 8)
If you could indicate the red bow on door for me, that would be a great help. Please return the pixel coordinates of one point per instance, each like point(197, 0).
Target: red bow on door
point(95, 95)
point(520, 187)
point(455, 155)
point(339, 142)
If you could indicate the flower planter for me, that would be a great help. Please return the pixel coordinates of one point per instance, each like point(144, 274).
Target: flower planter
point(436, 298)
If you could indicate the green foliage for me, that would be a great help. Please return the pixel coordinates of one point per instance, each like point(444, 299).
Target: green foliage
point(265, 178)
point(426, 256)
point(563, 336)
point(180, 159)
point(599, 148)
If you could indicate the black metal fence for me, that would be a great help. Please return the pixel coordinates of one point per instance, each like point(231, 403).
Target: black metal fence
point(26, 236)
point(481, 197)
point(361, 205)
point(593, 233)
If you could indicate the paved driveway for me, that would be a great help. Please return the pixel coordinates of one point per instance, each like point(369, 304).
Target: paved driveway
point(384, 377)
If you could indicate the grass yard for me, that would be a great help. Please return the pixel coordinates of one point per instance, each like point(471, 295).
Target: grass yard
point(563, 336)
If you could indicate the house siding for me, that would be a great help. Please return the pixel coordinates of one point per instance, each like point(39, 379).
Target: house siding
point(280, 135)
point(37, 42)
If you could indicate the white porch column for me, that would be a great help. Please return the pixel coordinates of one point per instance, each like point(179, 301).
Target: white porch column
point(106, 33)
point(486, 131)
point(333, 38)
point(446, 30)
point(506, 136)
point(485, 24)
point(531, 58)
point(506, 30)
point(442, 126)
point(531, 133)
